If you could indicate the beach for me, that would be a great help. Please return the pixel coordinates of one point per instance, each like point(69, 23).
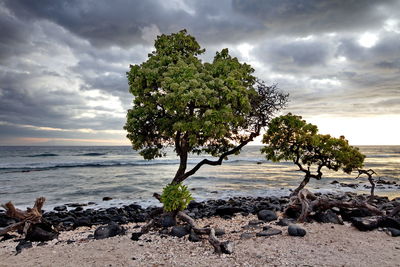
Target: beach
point(323, 245)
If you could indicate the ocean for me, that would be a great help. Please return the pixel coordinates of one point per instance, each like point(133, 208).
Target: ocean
point(78, 174)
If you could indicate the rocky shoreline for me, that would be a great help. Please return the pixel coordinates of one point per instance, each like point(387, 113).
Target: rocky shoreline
point(63, 219)
point(246, 221)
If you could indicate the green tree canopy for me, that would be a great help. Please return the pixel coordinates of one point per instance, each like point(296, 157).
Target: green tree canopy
point(195, 107)
point(289, 138)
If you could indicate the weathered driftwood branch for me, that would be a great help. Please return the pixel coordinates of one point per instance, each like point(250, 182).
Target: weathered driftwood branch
point(219, 247)
point(27, 218)
point(308, 203)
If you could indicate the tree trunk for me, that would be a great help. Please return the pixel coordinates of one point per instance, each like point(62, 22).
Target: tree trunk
point(301, 186)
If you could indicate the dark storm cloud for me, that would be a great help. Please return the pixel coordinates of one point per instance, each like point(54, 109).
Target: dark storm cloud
point(303, 17)
point(63, 63)
point(294, 56)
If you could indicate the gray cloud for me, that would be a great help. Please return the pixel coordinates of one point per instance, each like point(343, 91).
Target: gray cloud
point(63, 63)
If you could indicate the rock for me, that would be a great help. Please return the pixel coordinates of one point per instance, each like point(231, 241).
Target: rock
point(295, 230)
point(107, 198)
point(267, 215)
point(193, 237)
point(227, 247)
point(227, 210)
point(83, 221)
point(136, 236)
point(7, 237)
point(256, 222)
point(328, 217)
point(334, 182)
point(109, 230)
point(179, 231)
point(365, 223)
point(60, 208)
point(269, 232)
point(285, 222)
point(168, 220)
point(23, 244)
point(41, 232)
point(390, 222)
point(393, 231)
point(247, 235)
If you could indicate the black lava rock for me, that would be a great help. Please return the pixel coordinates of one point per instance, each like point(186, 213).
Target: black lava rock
point(227, 210)
point(136, 236)
point(168, 220)
point(193, 237)
point(23, 244)
point(41, 232)
point(295, 230)
point(269, 232)
point(179, 231)
point(393, 231)
point(60, 208)
point(365, 223)
point(107, 198)
point(285, 222)
point(109, 230)
point(267, 215)
point(328, 217)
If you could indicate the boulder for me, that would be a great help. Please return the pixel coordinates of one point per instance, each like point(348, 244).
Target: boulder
point(267, 215)
point(109, 230)
point(393, 231)
point(227, 210)
point(365, 223)
point(168, 220)
point(295, 230)
point(179, 231)
point(41, 232)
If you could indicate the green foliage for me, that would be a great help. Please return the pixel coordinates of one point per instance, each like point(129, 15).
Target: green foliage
point(291, 138)
point(175, 197)
point(193, 106)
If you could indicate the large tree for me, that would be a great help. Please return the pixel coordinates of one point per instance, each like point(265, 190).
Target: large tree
point(195, 107)
point(290, 138)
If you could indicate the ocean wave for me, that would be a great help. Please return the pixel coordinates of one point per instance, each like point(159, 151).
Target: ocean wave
point(42, 155)
point(93, 154)
point(104, 164)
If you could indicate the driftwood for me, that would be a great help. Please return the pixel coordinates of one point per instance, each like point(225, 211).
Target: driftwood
point(307, 202)
point(219, 247)
point(27, 218)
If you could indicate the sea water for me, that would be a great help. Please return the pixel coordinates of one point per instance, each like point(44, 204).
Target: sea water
point(87, 174)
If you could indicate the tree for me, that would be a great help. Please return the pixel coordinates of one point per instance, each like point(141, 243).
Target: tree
point(293, 139)
point(195, 107)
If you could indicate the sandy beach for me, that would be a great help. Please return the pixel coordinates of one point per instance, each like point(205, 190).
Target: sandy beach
point(323, 245)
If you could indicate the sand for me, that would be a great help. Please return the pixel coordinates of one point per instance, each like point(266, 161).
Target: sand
point(324, 245)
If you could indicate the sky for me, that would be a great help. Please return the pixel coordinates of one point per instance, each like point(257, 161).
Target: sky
point(63, 63)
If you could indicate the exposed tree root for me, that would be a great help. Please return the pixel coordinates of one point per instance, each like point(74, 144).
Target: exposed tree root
point(27, 218)
point(219, 246)
point(307, 202)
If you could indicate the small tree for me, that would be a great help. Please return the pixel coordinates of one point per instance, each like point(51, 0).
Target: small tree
point(291, 138)
point(195, 107)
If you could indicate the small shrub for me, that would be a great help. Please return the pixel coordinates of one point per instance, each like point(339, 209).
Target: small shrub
point(176, 197)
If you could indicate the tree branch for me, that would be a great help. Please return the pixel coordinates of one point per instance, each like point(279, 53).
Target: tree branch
point(216, 162)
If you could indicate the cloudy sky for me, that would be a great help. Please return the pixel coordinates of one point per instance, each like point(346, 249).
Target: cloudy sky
point(63, 63)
